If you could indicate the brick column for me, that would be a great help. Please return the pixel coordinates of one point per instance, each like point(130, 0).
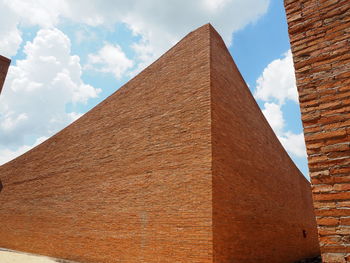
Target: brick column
point(4, 65)
point(319, 33)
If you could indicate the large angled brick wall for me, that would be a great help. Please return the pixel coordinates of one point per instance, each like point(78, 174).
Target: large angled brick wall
point(320, 38)
point(179, 165)
point(4, 65)
point(261, 202)
point(130, 181)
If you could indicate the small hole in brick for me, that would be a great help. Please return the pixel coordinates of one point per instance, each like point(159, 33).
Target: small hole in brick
point(1, 186)
point(304, 233)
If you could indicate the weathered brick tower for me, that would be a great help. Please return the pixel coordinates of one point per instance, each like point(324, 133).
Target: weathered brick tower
point(178, 165)
point(319, 32)
point(4, 65)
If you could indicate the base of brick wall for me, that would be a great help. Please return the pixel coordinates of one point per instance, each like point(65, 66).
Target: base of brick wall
point(311, 260)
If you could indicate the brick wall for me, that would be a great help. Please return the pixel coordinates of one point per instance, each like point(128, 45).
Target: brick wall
point(179, 165)
point(4, 65)
point(319, 33)
point(130, 181)
point(262, 204)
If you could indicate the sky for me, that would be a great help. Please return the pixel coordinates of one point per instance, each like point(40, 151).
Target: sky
point(67, 56)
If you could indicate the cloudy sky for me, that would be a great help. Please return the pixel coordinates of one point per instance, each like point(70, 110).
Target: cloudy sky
point(67, 56)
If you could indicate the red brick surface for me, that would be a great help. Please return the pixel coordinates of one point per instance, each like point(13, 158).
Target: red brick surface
point(4, 65)
point(319, 32)
point(261, 202)
point(179, 165)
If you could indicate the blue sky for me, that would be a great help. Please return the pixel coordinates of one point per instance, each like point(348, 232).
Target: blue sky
point(69, 56)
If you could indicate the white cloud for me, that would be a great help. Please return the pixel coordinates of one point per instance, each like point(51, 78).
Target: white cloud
point(39, 87)
point(37, 12)
point(275, 86)
point(7, 154)
point(10, 35)
point(85, 34)
point(160, 24)
point(37, 90)
point(10, 42)
point(110, 59)
point(277, 81)
point(168, 20)
point(214, 5)
point(294, 143)
point(274, 116)
point(27, 13)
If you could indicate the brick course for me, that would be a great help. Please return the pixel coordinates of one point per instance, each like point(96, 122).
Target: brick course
point(319, 33)
point(178, 165)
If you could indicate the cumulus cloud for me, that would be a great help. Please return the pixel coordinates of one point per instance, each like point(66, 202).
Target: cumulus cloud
point(38, 87)
point(25, 13)
point(37, 90)
point(10, 35)
point(37, 12)
point(277, 81)
point(293, 143)
point(158, 23)
point(274, 115)
point(168, 20)
point(110, 59)
point(162, 23)
point(275, 87)
point(7, 154)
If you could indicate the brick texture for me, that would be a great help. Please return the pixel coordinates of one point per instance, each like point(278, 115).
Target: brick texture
point(4, 65)
point(319, 33)
point(178, 165)
point(261, 202)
